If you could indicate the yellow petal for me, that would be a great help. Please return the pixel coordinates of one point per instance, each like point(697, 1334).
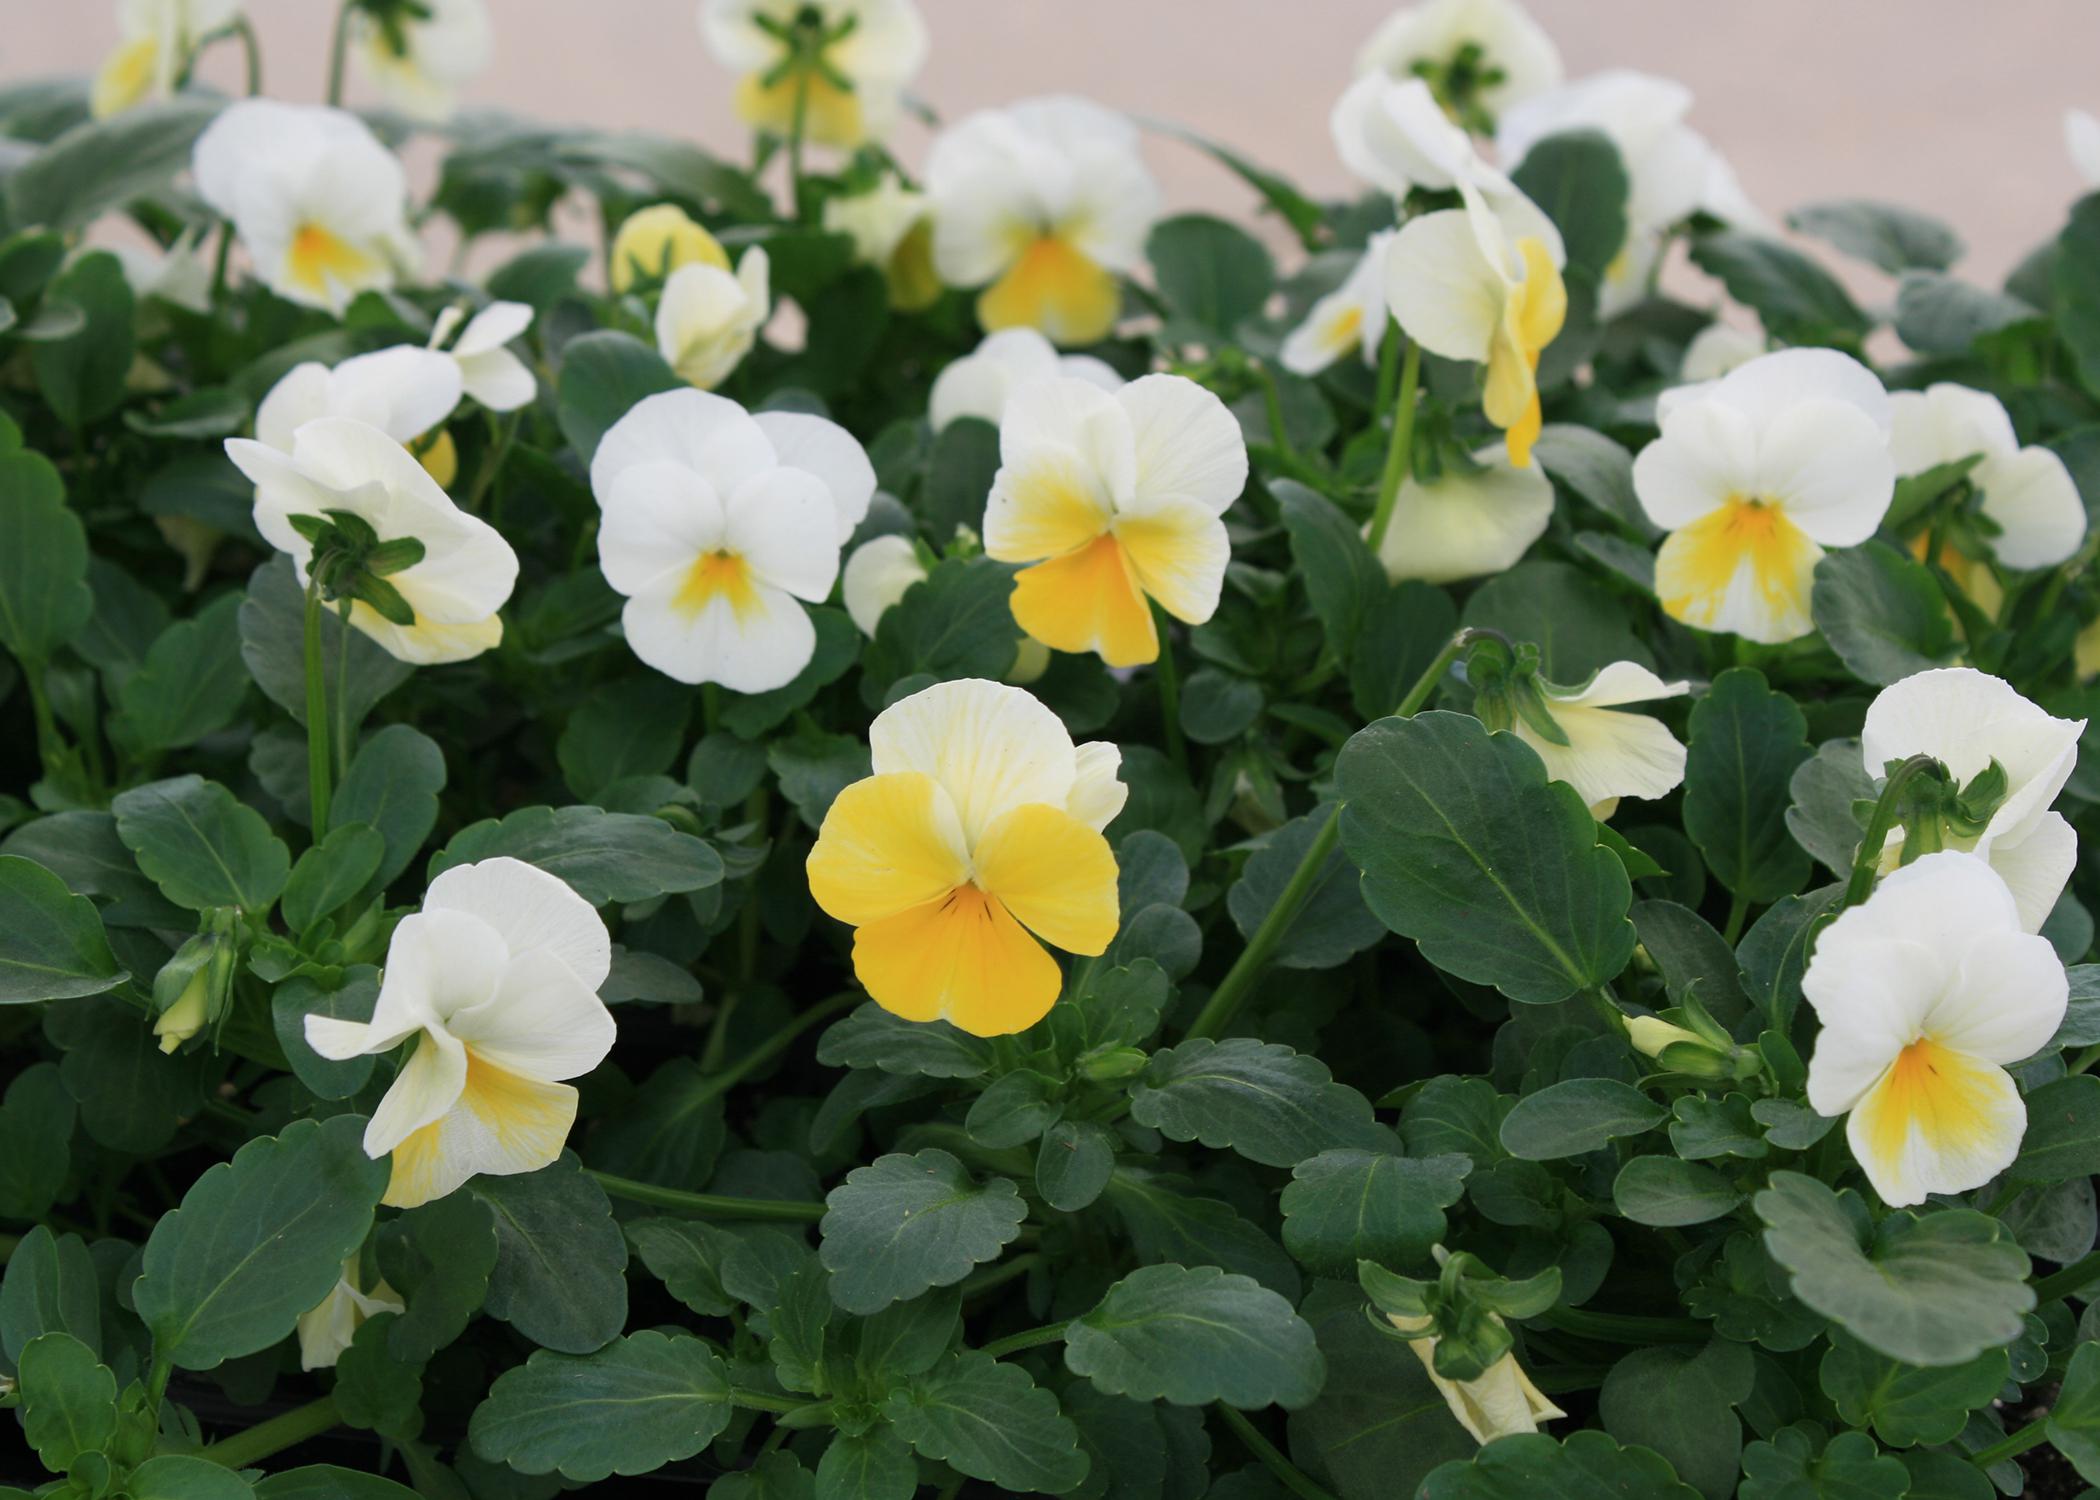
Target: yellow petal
point(656, 241)
point(125, 78)
point(888, 844)
point(962, 958)
point(321, 259)
point(830, 115)
point(1744, 568)
point(1088, 601)
point(1056, 288)
point(1937, 1121)
point(1178, 551)
point(503, 1123)
point(1050, 503)
point(1542, 297)
point(1054, 873)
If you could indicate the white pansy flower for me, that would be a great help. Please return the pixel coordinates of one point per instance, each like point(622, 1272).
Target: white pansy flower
point(1926, 993)
point(2082, 144)
point(1515, 57)
point(847, 81)
point(2027, 492)
point(403, 391)
point(1500, 1401)
point(419, 63)
point(708, 319)
point(891, 227)
point(496, 982)
point(1000, 367)
point(340, 464)
point(1753, 476)
point(1349, 319)
point(876, 576)
point(718, 525)
point(488, 370)
point(1466, 524)
point(320, 204)
point(1043, 203)
point(1966, 719)
point(330, 1326)
point(177, 275)
point(1610, 753)
point(1718, 348)
point(157, 39)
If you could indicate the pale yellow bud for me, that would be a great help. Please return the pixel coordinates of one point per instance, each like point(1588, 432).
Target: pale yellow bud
point(1650, 1035)
point(655, 241)
point(185, 1018)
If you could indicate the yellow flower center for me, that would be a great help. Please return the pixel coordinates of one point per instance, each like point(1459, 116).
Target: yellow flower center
point(1941, 1094)
point(319, 255)
point(1054, 286)
point(1706, 556)
point(718, 575)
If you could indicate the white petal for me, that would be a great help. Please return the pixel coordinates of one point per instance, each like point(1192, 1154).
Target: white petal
point(2037, 868)
point(1075, 415)
point(537, 914)
point(1619, 683)
point(993, 748)
point(1771, 383)
point(1707, 453)
point(498, 379)
point(876, 576)
point(492, 328)
point(1610, 754)
point(1950, 1125)
point(778, 523)
point(1187, 444)
point(1718, 348)
point(543, 1022)
point(658, 520)
point(502, 1124)
point(834, 455)
point(1447, 296)
point(2031, 496)
point(299, 396)
point(761, 648)
point(2006, 1000)
point(709, 434)
point(1828, 465)
point(1467, 525)
point(1395, 136)
point(1098, 792)
point(427, 1085)
point(1945, 422)
point(978, 384)
point(1870, 992)
point(403, 391)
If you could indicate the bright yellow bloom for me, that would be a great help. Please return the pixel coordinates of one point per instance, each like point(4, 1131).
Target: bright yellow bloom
point(655, 241)
point(978, 834)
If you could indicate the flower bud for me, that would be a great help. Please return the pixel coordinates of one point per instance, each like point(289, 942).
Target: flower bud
point(1114, 1064)
point(653, 242)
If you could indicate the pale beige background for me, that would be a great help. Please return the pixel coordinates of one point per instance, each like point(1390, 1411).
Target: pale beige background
point(1952, 106)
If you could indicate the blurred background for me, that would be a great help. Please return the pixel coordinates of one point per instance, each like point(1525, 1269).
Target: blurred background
point(1950, 106)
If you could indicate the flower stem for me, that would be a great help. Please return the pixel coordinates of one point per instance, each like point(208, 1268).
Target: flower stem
point(342, 698)
point(1169, 692)
point(1401, 453)
point(1013, 1343)
point(710, 1205)
point(2061, 1283)
point(251, 50)
point(795, 132)
point(1272, 405)
point(1886, 810)
point(286, 1430)
point(757, 1057)
point(1287, 1473)
point(316, 713)
point(2033, 1435)
point(338, 52)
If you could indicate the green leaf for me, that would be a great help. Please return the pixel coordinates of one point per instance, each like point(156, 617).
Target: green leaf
point(1332, 925)
point(604, 857)
point(52, 946)
point(644, 1401)
point(131, 1095)
point(1938, 314)
point(1344, 1206)
point(1597, 469)
point(373, 1389)
point(1210, 274)
point(871, 1037)
point(1882, 234)
point(1577, 623)
point(103, 164)
point(191, 683)
point(273, 634)
point(686, 1256)
point(1263, 1100)
point(956, 622)
point(539, 276)
point(780, 1476)
point(327, 1482)
point(1668, 1193)
point(1532, 1466)
point(1774, 952)
point(603, 375)
point(1681, 1402)
point(1797, 300)
point(49, 1287)
point(1073, 1164)
point(904, 1224)
point(331, 872)
point(1379, 1426)
point(813, 767)
point(1217, 707)
point(1166, 1223)
point(1467, 848)
point(392, 787)
point(69, 1400)
point(1850, 1468)
point(560, 1273)
point(82, 377)
point(1882, 613)
point(1693, 958)
point(1821, 796)
point(201, 846)
point(1578, 179)
point(1746, 742)
point(2063, 1132)
point(1342, 578)
point(632, 727)
point(670, 1130)
point(2075, 278)
point(1937, 1290)
point(439, 1257)
point(1194, 1335)
point(877, 1465)
point(1907, 1403)
point(752, 715)
point(257, 1241)
point(908, 1338)
point(44, 595)
point(1577, 1115)
point(1403, 630)
point(959, 473)
point(985, 1418)
point(36, 1136)
point(183, 1476)
point(2074, 1422)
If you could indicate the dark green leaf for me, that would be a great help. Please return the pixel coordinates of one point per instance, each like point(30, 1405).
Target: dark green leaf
point(1579, 180)
point(1577, 1115)
point(1345, 1205)
point(559, 1277)
point(640, 1403)
point(1263, 1100)
point(202, 847)
point(52, 946)
point(1882, 613)
point(1883, 234)
point(987, 1419)
point(604, 857)
point(1796, 299)
point(1210, 273)
point(603, 375)
point(904, 1224)
point(1746, 741)
point(44, 596)
point(1668, 1193)
point(1196, 1335)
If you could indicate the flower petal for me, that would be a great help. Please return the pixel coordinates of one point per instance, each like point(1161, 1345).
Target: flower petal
point(991, 747)
point(543, 1023)
point(1467, 525)
point(781, 524)
point(502, 1125)
point(2031, 497)
point(537, 914)
point(709, 434)
point(1828, 465)
point(962, 959)
point(657, 519)
point(2006, 1000)
point(1446, 295)
point(1088, 600)
point(1938, 1121)
point(1188, 445)
point(889, 843)
point(428, 1084)
point(1178, 552)
point(834, 455)
point(752, 640)
point(1744, 569)
point(2037, 868)
point(1706, 456)
point(1054, 873)
point(1045, 502)
point(1098, 791)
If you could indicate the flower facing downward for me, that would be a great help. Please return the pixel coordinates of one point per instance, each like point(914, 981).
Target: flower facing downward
point(891, 230)
point(1969, 721)
point(1500, 1401)
point(330, 1327)
point(419, 63)
point(708, 319)
point(1349, 319)
point(1047, 201)
point(1601, 751)
point(1753, 476)
point(1481, 56)
point(488, 371)
point(1463, 286)
point(2028, 496)
point(655, 241)
point(1466, 524)
point(1115, 499)
point(1926, 993)
point(320, 204)
point(876, 576)
point(981, 826)
point(157, 40)
point(717, 525)
point(834, 69)
point(404, 391)
point(495, 983)
point(984, 380)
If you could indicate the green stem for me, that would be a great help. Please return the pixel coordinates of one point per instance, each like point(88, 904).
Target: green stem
point(1287, 1473)
point(991, 1278)
point(1272, 404)
point(342, 698)
point(252, 51)
point(1738, 909)
point(316, 714)
point(289, 1429)
point(1627, 1328)
point(2069, 1279)
point(757, 1057)
point(744, 1396)
point(50, 745)
point(339, 52)
point(2033, 1435)
point(1013, 1343)
point(2084, 1060)
point(1401, 453)
point(1887, 809)
point(1432, 675)
point(710, 1205)
point(1169, 691)
point(491, 465)
point(795, 130)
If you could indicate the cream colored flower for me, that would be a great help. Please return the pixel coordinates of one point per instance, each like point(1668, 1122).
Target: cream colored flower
point(488, 371)
point(157, 40)
point(655, 241)
point(708, 319)
point(1349, 320)
point(419, 64)
point(841, 66)
point(1466, 524)
point(1490, 53)
point(1000, 367)
point(877, 575)
point(329, 1328)
point(404, 391)
point(1651, 1036)
point(1609, 754)
point(1500, 1401)
point(177, 275)
point(1718, 348)
point(2027, 493)
point(891, 227)
point(186, 1017)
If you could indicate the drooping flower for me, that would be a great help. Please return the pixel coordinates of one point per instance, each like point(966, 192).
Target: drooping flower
point(708, 319)
point(177, 275)
point(341, 465)
point(976, 841)
point(330, 1326)
point(1349, 319)
point(320, 204)
point(891, 226)
point(1481, 56)
point(1718, 348)
point(420, 62)
point(1926, 993)
point(1496, 1403)
point(717, 525)
point(876, 576)
point(2082, 144)
point(2027, 494)
point(1004, 363)
point(1753, 476)
point(488, 371)
point(653, 242)
point(404, 391)
point(1462, 285)
point(1608, 753)
point(156, 41)
point(496, 982)
point(1466, 524)
point(1047, 201)
point(1115, 499)
point(1969, 721)
point(836, 68)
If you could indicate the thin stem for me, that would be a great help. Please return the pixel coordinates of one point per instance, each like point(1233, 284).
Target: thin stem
point(757, 1057)
point(220, 259)
point(338, 52)
point(2033, 1435)
point(1287, 1473)
point(993, 1277)
point(1627, 1328)
point(795, 130)
point(1169, 691)
point(1013, 1343)
point(1886, 810)
point(740, 1395)
point(316, 713)
point(507, 434)
point(342, 699)
point(286, 1430)
point(50, 745)
point(1272, 404)
point(1738, 909)
point(1232, 990)
point(252, 52)
point(1432, 675)
point(2062, 1283)
point(1401, 453)
point(2084, 1060)
point(710, 1205)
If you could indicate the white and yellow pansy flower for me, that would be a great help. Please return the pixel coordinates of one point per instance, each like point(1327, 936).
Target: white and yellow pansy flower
point(976, 841)
point(321, 206)
point(1501, 1400)
point(1753, 476)
point(1485, 53)
point(1609, 753)
point(984, 380)
point(1392, 134)
point(2082, 144)
point(879, 573)
point(653, 242)
point(1926, 993)
point(1349, 320)
point(718, 526)
point(495, 981)
point(1718, 348)
point(466, 572)
point(156, 41)
point(488, 371)
point(1466, 524)
point(1463, 285)
point(838, 69)
point(891, 227)
point(1043, 203)
point(1114, 499)
point(330, 1327)
point(420, 62)
point(404, 391)
point(1969, 720)
point(707, 319)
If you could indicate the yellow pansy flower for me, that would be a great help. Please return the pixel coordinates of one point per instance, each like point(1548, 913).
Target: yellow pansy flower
point(657, 240)
point(840, 65)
